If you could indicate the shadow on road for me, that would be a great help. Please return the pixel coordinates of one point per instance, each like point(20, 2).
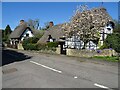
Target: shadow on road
point(10, 56)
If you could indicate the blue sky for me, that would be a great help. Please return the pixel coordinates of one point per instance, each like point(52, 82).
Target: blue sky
point(58, 12)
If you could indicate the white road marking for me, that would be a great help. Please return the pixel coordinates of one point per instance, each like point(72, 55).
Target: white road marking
point(101, 86)
point(75, 77)
point(46, 67)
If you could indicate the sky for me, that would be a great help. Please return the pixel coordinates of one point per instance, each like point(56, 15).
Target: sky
point(58, 12)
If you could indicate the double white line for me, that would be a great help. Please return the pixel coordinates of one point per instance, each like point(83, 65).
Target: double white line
point(46, 67)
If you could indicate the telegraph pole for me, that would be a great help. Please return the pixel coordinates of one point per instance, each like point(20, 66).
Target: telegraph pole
point(101, 4)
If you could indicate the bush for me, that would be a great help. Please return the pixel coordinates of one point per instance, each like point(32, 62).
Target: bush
point(104, 46)
point(32, 47)
point(32, 40)
point(48, 46)
point(41, 46)
point(30, 43)
point(113, 41)
point(52, 44)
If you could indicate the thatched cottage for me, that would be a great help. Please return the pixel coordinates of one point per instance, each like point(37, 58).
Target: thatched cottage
point(52, 34)
point(21, 32)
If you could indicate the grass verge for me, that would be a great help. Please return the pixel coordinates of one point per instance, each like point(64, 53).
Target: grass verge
point(107, 58)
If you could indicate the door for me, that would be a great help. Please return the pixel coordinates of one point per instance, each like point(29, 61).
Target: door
point(62, 48)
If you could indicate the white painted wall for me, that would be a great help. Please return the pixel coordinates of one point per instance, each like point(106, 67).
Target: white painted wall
point(91, 45)
point(27, 32)
point(70, 42)
point(108, 29)
point(74, 43)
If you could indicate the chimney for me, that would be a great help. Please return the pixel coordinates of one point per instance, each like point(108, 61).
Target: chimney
point(51, 24)
point(21, 22)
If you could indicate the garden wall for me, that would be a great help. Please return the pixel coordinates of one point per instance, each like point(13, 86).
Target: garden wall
point(20, 46)
point(79, 53)
point(88, 53)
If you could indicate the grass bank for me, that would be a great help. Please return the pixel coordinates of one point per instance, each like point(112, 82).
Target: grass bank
point(107, 58)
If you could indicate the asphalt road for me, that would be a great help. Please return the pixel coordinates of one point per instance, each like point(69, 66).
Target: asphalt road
point(23, 69)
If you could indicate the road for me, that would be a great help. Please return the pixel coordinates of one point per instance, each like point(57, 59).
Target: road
point(23, 69)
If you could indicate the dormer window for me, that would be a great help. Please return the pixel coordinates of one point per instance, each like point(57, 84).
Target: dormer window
point(50, 39)
point(108, 29)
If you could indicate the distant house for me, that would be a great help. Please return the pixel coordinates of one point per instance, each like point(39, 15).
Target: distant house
point(20, 33)
point(52, 34)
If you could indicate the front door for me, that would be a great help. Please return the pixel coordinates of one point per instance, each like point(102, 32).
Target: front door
point(62, 48)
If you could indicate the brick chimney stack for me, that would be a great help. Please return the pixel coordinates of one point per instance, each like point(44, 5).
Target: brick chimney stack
point(22, 22)
point(51, 24)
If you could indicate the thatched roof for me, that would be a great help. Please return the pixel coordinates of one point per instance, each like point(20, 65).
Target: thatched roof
point(19, 30)
point(56, 32)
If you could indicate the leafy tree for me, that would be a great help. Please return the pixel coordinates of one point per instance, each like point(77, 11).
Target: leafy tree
point(6, 33)
point(34, 24)
point(7, 30)
point(113, 40)
point(117, 27)
point(46, 25)
point(87, 24)
point(2, 33)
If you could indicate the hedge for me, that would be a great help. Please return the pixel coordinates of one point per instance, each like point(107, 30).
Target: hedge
point(31, 44)
point(48, 46)
point(112, 41)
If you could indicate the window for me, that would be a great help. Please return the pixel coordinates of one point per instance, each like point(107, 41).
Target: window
point(50, 38)
point(27, 35)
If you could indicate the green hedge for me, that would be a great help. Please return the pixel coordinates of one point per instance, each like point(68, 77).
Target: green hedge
point(112, 41)
point(104, 46)
point(41, 46)
point(47, 46)
point(31, 44)
point(31, 47)
point(52, 44)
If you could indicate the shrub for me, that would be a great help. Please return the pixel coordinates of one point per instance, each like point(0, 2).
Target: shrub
point(33, 40)
point(52, 44)
point(32, 47)
point(41, 46)
point(30, 43)
point(113, 41)
point(104, 46)
point(48, 46)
